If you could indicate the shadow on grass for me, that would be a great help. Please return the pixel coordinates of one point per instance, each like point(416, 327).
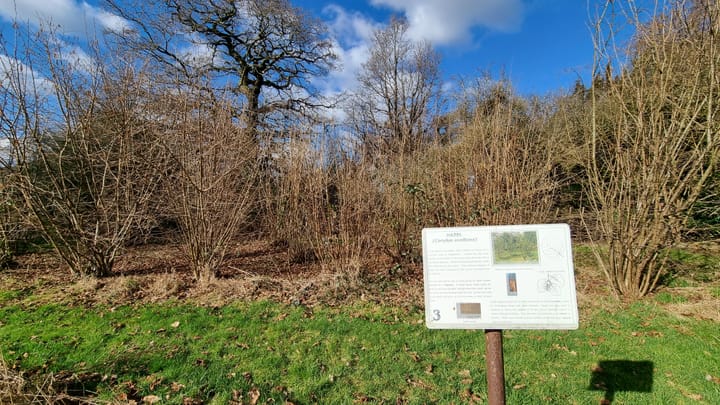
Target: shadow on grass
point(614, 376)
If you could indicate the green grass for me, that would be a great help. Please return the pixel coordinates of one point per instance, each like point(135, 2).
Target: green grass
point(665, 297)
point(358, 352)
point(7, 296)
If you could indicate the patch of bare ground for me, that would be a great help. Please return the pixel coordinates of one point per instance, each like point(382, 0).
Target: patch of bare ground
point(699, 303)
point(253, 270)
point(260, 269)
point(701, 300)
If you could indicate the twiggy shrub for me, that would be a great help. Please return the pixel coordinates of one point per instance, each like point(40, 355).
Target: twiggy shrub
point(406, 205)
point(322, 205)
point(213, 172)
point(499, 171)
point(297, 200)
point(11, 384)
point(77, 158)
point(8, 225)
point(655, 136)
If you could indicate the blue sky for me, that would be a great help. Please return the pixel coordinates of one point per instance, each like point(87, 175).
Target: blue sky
point(541, 45)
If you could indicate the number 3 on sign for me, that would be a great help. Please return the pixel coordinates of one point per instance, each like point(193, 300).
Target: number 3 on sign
point(436, 315)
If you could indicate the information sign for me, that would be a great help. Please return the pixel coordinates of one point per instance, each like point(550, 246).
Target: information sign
point(499, 277)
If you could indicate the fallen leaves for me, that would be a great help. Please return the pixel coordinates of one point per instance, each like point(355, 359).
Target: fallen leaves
point(565, 349)
point(254, 396)
point(465, 374)
point(238, 398)
point(684, 392)
point(413, 355)
point(416, 382)
point(151, 399)
point(154, 381)
point(597, 342)
point(470, 397)
point(652, 333)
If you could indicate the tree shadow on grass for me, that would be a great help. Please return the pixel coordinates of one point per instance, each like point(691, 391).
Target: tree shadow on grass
point(614, 376)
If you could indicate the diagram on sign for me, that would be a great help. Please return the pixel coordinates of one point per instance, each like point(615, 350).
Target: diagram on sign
point(550, 284)
point(551, 251)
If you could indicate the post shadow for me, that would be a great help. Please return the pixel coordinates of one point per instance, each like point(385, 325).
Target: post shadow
point(612, 376)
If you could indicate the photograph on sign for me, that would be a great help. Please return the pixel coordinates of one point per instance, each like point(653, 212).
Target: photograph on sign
point(515, 247)
point(468, 310)
point(512, 283)
point(499, 277)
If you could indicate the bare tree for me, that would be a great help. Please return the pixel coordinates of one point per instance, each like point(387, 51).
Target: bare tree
point(655, 137)
point(392, 110)
point(77, 157)
point(266, 51)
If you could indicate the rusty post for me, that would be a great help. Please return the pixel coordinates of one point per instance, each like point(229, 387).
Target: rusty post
point(495, 367)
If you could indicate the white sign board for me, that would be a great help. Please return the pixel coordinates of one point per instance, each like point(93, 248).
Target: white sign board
point(499, 277)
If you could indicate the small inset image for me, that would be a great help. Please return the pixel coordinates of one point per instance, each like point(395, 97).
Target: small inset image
point(515, 247)
point(511, 283)
point(468, 310)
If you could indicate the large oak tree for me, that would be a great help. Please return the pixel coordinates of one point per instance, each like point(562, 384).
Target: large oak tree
point(266, 51)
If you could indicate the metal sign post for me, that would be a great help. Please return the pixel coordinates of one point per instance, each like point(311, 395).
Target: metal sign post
point(495, 366)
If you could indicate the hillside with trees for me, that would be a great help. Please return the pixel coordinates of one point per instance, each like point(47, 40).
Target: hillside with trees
point(232, 144)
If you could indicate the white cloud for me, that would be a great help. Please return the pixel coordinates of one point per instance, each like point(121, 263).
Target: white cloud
point(78, 58)
point(352, 33)
point(198, 54)
point(352, 28)
point(68, 16)
point(14, 73)
point(447, 22)
point(5, 151)
point(109, 21)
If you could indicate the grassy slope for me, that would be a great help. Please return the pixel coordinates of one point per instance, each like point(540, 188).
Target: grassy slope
point(358, 352)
